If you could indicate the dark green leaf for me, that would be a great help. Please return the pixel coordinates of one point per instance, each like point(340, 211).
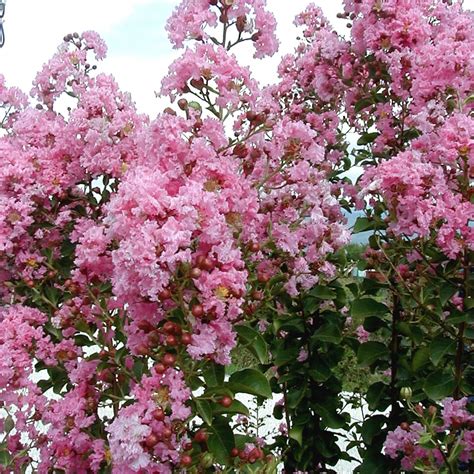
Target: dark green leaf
point(363, 103)
point(374, 323)
point(9, 424)
point(329, 417)
point(371, 352)
point(323, 292)
point(250, 381)
point(421, 357)
point(364, 307)
point(319, 370)
point(138, 368)
point(377, 396)
point(438, 385)
point(204, 410)
point(213, 374)
point(236, 407)
point(296, 433)
point(221, 440)
point(439, 347)
point(311, 304)
point(367, 138)
point(363, 224)
point(371, 427)
point(446, 292)
point(328, 332)
point(295, 395)
point(253, 341)
point(284, 355)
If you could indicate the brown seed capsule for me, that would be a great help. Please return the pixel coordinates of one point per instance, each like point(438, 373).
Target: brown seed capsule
point(183, 104)
point(164, 294)
point(195, 272)
point(197, 83)
point(240, 23)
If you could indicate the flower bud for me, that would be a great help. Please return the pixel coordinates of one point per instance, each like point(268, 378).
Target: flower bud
point(406, 393)
point(240, 23)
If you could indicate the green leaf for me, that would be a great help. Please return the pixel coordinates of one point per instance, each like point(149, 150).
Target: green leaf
point(52, 294)
point(204, 410)
point(296, 433)
point(330, 418)
point(213, 374)
point(138, 368)
point(426, 441)
point(328, 332)
point(371, 427)
point(320, 370)
point(421, 357)
point(371, 352)
point(310, 305)
point(363, 224)
point(457, 317)
point(323, 292)
point(9, 424)
point(439, 347)
point(221, 440)
point(438, 385)
point(373, 323)
point(367, 138)
point(363, 103)
point(284, 355)
point(294, 325)
point(295, 395)
point(364, 307)
point(250, 381)
point(446, 292)
point(253, 341)
point(5, 457)
point(378, 396)
point(236, 407)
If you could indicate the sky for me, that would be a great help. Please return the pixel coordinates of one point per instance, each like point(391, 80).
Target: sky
point(139, 51)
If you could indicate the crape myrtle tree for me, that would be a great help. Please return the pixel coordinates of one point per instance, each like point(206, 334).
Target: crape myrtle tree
point(136, 254)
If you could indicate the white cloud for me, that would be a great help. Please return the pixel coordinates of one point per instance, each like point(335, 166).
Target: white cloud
point(34, 28)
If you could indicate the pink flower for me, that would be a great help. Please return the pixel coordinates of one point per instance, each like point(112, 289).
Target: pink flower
point(362, 334)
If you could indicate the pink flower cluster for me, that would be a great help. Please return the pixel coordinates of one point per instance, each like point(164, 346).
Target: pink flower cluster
point(209, 67)
point(144, 242)
point(191, 20)
point(421, 202)
point(456, 421)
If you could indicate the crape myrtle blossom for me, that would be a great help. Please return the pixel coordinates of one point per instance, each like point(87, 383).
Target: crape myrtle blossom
point(252, 21)
point(132, 247)
point(211, 67)
point(408, 441)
